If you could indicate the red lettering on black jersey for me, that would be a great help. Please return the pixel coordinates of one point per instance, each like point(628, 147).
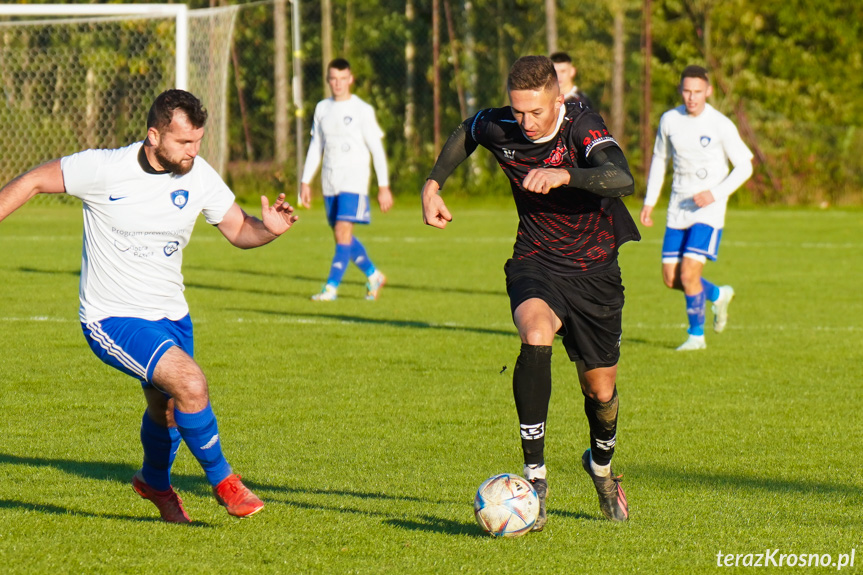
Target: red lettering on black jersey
point(566, 230)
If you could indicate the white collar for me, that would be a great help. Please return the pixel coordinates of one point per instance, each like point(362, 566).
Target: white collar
point(553, 134)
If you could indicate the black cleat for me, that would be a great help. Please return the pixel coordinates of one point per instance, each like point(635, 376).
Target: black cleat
point(541, 488)
point(612, 499)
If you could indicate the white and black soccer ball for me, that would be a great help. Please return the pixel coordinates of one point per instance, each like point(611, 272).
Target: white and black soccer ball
point(506, 505)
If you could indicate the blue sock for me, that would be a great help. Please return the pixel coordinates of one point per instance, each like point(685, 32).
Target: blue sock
point(341, 259)
point(201, 434)
point(160, 449)
point(361, 258)
point(710, 290)
point(695, 307)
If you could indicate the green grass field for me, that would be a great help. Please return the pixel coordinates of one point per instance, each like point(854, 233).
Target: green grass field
point(367, 426)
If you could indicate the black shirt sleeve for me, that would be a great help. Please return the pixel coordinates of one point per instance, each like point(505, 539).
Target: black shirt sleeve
point(608, 177)
point(457, 148)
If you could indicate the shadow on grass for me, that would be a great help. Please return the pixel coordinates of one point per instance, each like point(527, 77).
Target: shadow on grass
point(738, 483)
point(420, 523)
point(75, 273)
point(101, 470)
point(552, 513)
point(57, 510)
point(384, 322)
point(65, 511)
point(320, 280)
point(438, 525)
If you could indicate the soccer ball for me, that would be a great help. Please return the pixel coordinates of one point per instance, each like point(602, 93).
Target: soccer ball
point(506, 505)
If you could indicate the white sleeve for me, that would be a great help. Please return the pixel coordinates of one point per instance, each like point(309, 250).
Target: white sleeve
point(82, 172)
point(220, 198)
point(740, 157)
point(373, 136)
point(657, 166)
point(313, 156)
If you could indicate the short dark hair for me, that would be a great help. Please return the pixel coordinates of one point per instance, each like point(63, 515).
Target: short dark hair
point(559, 57)
point(163, 108)
point(694, 72)
point(339, 64)
point(532, 73)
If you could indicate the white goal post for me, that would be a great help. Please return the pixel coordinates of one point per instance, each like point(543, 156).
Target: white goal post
point(78, 76)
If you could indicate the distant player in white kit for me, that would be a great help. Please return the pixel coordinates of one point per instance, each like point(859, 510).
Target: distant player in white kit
point(140, 206)
point(700, 141)
point(346, 132)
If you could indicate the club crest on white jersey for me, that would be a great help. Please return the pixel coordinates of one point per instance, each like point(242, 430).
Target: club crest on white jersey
point(180, 198)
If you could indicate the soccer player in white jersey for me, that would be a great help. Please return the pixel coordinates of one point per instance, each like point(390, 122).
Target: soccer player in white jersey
point(346, 132)
point(701, 141)
point(140, 205)
point(566, 73)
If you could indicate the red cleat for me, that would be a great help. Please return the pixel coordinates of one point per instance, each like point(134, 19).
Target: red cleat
point(168, 503)
point(236, 497)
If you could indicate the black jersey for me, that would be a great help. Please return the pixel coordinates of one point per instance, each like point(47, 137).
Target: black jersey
point(567, 230)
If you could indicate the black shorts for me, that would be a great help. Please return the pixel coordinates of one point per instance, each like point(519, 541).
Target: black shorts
point(590, 308)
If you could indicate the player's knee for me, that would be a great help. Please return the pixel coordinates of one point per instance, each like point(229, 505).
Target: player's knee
point(192, 397)
point(690, 279)
point(537, 336)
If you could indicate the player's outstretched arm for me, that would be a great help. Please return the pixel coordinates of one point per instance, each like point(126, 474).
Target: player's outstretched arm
point(435, 212)
point(44, 179)
point(245, 231)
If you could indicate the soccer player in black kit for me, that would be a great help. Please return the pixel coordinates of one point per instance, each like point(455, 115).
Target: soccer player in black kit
point(567, 175)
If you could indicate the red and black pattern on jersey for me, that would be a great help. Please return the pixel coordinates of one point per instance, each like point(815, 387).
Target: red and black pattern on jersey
point(567, 230)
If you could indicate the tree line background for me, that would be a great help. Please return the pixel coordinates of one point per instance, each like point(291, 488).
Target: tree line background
point(788, 72)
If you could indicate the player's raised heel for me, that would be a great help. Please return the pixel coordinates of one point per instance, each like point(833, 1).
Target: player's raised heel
point(236, 497)
point(373, 287)
point(328, 293)
point(720, 308)
point(692, 343)
point(612, 499)
point(168, 503)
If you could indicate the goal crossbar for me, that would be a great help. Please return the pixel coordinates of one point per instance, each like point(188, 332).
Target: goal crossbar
point(180, 13)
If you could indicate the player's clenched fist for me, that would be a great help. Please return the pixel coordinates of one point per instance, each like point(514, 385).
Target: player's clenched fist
point(543, 180)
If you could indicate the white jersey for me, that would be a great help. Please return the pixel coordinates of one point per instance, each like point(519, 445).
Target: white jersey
point(136, 225)
point(346, 133)
point(700, 147)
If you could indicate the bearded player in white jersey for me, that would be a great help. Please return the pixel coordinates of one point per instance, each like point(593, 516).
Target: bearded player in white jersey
point(140, 206)
point(701, 141)
point(346, 132)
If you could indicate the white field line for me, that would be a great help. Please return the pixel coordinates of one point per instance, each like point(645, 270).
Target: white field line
point(509, 239)
point(454, 325)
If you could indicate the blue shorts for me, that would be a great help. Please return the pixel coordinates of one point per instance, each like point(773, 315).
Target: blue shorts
point(347, 207)
point(700, 242)
point(134, 346)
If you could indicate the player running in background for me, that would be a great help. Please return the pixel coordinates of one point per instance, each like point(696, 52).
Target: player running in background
point(700, 141)
point(346, 132)
point(140, 206)
point(566, 77)
point(567, 175)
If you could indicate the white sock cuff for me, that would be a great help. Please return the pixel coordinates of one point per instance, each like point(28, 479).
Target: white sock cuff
point(600, 470)
point(535, 472)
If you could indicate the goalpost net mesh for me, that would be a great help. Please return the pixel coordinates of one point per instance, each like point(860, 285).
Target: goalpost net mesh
point(73, 83)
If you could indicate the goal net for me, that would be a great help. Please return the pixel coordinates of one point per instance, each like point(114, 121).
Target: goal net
point(70, 82)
